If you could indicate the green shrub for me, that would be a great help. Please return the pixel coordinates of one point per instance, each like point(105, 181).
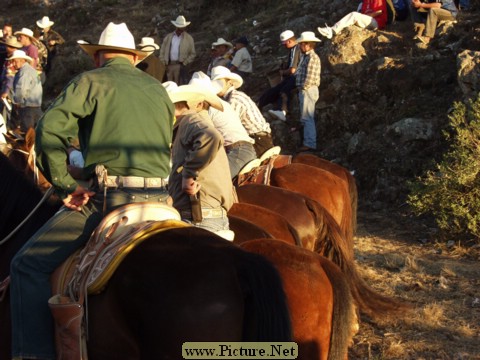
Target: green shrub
point(451, 193)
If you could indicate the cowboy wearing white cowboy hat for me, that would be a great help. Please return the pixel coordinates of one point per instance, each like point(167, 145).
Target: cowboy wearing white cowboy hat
point(224, 52)
point(8, 70)
point(238, 145)
point(123, 119)
point(26, 38)
point(308, 81)
point(152, 64)
point(27, 92)
point(177, 51)
point(50, 38)
point(227, 83)
point(198, 160)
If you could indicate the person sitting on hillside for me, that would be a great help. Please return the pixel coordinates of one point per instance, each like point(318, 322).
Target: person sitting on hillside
point(201, 189)
point(283, 90)
point(238, 145)
point(435, 10)
point(224, 51)
point(373, 16)
point(241, 63)
point(227, 84)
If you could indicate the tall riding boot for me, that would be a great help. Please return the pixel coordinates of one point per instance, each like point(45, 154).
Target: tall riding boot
point(68, 321)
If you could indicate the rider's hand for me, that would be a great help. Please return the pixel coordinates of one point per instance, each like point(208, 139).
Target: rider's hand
point(78, 198)
point(190, 186)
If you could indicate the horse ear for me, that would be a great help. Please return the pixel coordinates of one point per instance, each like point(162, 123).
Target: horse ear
point(30, 138)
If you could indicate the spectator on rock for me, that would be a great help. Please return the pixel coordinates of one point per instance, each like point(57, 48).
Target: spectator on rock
point(51, 39)
point(373, 16)
point(241, 63)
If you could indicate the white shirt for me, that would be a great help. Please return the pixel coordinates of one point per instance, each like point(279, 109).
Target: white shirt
point(242, 60)
point(175, 47)
point(228, 124)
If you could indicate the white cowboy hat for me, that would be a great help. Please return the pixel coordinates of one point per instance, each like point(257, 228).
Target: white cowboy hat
point(114, 37)
point(180, 22)
point(26, 32)
point(199, 78)
point(308, 36)
point(222, 41)
point(192, 92)
point(44, 23)
point(149, 43)
point(20, 54)
point(286, 35)
point(221, 72)
point(11, 41)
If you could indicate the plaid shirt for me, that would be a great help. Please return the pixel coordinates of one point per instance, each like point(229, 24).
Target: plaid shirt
point(251, 117)
point(308, 72)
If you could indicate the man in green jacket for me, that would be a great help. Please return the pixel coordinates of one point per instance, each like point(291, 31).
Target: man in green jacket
point(123, 119)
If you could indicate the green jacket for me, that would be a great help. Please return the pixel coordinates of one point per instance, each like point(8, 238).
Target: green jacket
point(122, 117)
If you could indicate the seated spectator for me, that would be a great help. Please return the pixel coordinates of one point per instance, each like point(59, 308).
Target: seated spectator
point(238, 145)
point(201, 189)
point(51, 39)
point(252, 119)
point(27, 92)
point(241, 63)
point(373, 16)
point(435, 10)
point(223, 51)
point(281, 93)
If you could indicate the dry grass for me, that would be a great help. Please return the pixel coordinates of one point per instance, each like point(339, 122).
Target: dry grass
point(443, 283)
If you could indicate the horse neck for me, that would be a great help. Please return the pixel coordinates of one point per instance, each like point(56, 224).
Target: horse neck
point(18, 196)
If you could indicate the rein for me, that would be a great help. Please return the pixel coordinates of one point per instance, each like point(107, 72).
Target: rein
point(47, 194)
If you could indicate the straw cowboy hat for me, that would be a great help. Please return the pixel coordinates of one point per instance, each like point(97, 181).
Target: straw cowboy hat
point(222, 41)
point(286, 35)
point(149, 44)
point(26, 32)
point(308, 36)
point(221, 72)
point(20, 54)
point(11, 41)
point(180, 22)
point(44, 23)
point(192, 93)
point(114, 37)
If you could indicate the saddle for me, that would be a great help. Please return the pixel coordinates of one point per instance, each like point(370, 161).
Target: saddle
point(261, 173)
point(88, 271)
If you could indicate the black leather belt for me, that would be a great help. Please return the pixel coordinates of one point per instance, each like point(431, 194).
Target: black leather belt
point(174, 63)
point(236, 145)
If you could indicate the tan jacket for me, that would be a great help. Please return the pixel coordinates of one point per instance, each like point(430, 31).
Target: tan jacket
point(187, 49)
point(198, 152)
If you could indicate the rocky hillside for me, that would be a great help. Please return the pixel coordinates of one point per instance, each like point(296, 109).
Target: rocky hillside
point(383, 101)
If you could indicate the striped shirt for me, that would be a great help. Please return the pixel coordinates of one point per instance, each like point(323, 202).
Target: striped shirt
point(308, 72)
point(251, 117)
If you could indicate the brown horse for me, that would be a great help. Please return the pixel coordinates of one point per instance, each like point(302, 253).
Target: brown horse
point(185, 284)
point(318, 296)
point(320, 233)
point(276, 225)
point(340, 171)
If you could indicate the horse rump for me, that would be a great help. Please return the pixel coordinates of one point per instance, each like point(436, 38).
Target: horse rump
point(184, 285)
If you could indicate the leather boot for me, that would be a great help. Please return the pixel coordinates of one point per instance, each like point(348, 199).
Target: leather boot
point(68, 321)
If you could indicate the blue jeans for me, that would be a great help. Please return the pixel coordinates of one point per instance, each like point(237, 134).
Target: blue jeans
point(307, 99)
point(239, 156)
point(30, 270)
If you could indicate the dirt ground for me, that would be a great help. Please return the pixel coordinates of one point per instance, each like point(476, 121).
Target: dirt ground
point(398, 256)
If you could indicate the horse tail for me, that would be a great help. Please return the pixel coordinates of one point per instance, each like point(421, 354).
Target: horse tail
point(352, 190)
point(333, 245)
point(267, 317)
point(344, 324)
